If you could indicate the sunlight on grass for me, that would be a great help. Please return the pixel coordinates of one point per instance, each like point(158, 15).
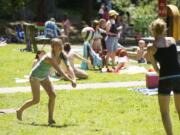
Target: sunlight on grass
point(91, 112)
point(16, 64)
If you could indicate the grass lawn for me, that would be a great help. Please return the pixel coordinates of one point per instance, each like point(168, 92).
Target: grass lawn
point(90, 112)
point(112, 111)
point(16, 64)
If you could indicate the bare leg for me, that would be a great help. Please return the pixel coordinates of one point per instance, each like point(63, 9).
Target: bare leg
point(113, 59)
point(49, 90)
point(107, 59)
point(177, 103)
point(164, 109)
point(80, 74)
point(35, 87)
point(119, 67)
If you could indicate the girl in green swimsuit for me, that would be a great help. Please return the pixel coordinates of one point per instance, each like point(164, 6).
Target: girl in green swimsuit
point(39, 76)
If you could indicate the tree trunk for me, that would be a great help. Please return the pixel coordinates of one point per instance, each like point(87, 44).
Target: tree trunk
point(41, 10)
point(51, 9)
point(87, 11)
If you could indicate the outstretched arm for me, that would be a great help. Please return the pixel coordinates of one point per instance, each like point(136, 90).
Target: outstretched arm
point(71, 71)
point(54, 63)
point(80, 57)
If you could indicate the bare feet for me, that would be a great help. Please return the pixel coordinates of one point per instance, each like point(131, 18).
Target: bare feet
point(19, 115)
point(51, 122)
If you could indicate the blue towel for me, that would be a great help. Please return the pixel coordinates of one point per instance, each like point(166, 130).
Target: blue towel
point(87, 50)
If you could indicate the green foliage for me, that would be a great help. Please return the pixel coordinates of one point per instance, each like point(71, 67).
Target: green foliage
point(141, 15)
point(121, 4)
point(10, 7)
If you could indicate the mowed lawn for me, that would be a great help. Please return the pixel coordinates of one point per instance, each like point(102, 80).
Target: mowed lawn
point(16, 64)
point(114, 111)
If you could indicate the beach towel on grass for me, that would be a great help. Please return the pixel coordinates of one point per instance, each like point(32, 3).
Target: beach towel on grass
point(146, 91)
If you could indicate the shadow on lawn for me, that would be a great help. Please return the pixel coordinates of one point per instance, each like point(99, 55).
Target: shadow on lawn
point(47, 125)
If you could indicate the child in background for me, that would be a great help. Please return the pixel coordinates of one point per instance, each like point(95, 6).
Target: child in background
point(122, 59)
point(141, 51)
point(39, 55)
point(102, 25)
point(71, 55)
point(97, 39)
point(66, 25)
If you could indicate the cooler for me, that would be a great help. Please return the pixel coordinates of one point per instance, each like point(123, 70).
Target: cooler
point(152, 80)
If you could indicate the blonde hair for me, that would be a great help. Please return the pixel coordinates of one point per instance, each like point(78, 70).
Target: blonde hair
point(57, 41)
point(158, 27)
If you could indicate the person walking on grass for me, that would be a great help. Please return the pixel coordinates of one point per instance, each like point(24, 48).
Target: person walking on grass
point(164, 52)
point(40, 76)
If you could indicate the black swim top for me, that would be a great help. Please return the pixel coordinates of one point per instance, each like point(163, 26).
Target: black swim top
point(113, 29)
point(168, 61)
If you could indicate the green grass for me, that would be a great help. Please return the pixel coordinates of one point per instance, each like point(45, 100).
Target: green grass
point(112, 111)
point(91, 112)
point(16, 64)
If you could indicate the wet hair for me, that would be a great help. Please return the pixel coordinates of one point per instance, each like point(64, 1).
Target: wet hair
point(158, 27)
point(67, 47)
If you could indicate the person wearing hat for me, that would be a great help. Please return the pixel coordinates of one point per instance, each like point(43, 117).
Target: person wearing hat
point(112, 38)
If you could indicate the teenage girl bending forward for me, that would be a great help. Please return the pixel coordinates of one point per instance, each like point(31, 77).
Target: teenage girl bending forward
point(40, 76)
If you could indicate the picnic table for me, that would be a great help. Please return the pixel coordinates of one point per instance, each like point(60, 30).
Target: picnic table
point(31, 36)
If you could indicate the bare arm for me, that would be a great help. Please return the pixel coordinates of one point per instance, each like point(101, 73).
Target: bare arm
point(54, 63)
point(150, 56)
point(35, 62)
point(108, 27)
point(80, 57)
point(71, 71)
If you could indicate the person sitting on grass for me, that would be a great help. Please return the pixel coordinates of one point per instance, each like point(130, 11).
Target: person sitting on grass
point(87, 34)
point(122, 59)
point(141, 51)
point(51, 30)
point(81, 74)
point(40, 76)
